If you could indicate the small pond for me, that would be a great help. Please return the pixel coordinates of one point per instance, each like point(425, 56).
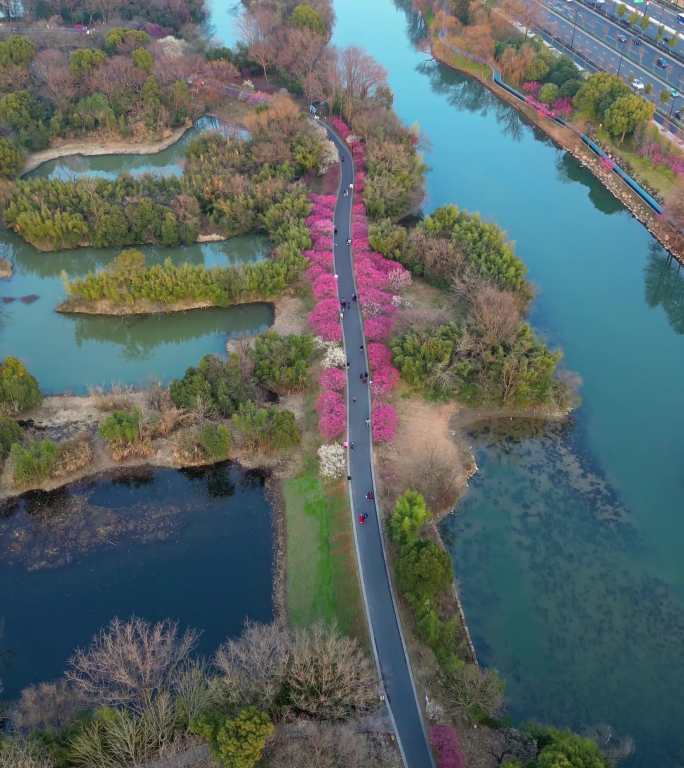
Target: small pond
point(193, 545)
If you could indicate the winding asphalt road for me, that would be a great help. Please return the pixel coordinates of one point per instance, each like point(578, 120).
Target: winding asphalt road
point(385, 630)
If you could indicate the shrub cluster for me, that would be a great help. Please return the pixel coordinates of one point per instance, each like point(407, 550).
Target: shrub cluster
point(265, 428)
point(453, 245)
point(214, 388)
point(423, 573)
point(518, 372)
point(53, 214)
point(282, 363)
point(125, 284)
point(19, 391)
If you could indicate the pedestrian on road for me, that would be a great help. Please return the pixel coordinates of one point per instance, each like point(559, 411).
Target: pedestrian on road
point(354, 298)
point(346, 192)
point(348, 477)
point(367, 422)
point(351, 186)
point(349, 241)
point(335, 230)
point(348, 363)
point(351, 445)
point(362, 347)
point(345, 444)
point(341, 314)
point(353, 399)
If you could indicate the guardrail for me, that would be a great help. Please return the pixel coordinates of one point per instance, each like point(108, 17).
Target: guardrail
point(643, 194)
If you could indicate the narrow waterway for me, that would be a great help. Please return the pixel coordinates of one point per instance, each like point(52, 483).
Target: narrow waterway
point(568, 546)
point(155, 543)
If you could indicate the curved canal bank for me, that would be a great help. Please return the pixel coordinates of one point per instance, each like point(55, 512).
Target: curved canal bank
point(567, 546)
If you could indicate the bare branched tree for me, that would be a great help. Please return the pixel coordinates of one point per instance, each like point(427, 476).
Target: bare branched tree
point(129, 663)
point(495, 314)
point(472, 691)
point(316, 672)
point(45, 705)
point(254, 666)
point(257, 28)
point(329, 676)
point(360, 75)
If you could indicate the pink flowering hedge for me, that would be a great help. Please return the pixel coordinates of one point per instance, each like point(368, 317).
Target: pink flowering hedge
point(333, 380)
point(385, 379)
point(384, 422)
point(325, 320)
point(378, 280)
point(446, 745)
point(332, 416)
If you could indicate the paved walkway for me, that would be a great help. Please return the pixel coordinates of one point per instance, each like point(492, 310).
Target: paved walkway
point(385, 630)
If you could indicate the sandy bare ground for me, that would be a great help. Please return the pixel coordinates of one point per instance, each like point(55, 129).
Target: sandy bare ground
point(424, 438)
point(104, 147)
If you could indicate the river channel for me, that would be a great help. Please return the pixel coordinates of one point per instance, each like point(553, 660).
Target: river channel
point(568, 545)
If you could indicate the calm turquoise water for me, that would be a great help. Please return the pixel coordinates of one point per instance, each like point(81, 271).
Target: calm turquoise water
point(158, 544)
point(168, 162)
point(73, 353)
point(568, 547)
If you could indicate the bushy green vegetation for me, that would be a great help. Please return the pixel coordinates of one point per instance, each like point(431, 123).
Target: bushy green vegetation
point(215, 440)
point(10, 433)
point(122, 427)
point(490, 355)
point(226, 182)
point(523, 59)
point(423, 573)
point(19, 391)
point(51, 87)
point(169, 284)
point(53, 214)
point(282, 363)
point(12, 159)
point(606, 98)
point(395, 177)
point(236, 742)
point(517, 372)
point(215, 388)
point(33, 463)
point(164, 13)
point(450, 245)
point(265, 428)
point(564, 748)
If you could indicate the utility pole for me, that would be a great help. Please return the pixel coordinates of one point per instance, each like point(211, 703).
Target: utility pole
point(574, 26)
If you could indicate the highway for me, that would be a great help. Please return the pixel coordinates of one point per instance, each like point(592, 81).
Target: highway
point(595, 37)
point(385, 629)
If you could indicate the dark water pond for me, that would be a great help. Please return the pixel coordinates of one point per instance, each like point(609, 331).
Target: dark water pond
point(194, 545)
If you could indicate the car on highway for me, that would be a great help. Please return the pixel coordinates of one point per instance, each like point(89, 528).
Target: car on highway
point(622, 38)
point(636, 41)
point(660, 62)
point(680, 18)
point(637, 84)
